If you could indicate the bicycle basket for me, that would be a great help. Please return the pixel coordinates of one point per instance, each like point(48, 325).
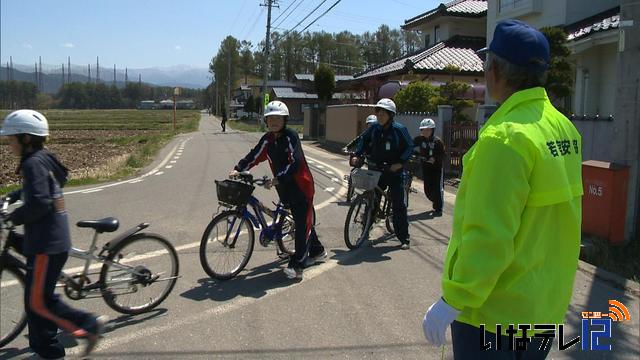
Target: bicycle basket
point(365, 179)
point(233, 192)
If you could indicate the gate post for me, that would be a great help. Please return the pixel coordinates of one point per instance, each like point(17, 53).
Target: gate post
point(445, 114)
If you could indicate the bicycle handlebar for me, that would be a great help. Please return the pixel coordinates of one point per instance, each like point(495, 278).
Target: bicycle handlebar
point(247, 177)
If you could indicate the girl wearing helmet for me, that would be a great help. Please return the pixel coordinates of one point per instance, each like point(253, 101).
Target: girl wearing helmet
point(293, 181)
point(46, 237)
point(430, 148)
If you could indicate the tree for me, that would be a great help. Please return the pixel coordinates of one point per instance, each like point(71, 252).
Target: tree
point(559, 82)
point(246, 60)
point(250, 105)
point(453, 94)
point(325, 82)
point(419, 96)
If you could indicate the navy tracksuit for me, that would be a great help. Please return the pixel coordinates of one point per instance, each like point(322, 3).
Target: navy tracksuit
point(46, 246)
point(432, 174)
point(386, 146)
point(295, 186)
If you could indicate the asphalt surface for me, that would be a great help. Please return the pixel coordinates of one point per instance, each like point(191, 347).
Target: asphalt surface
point(367, 303)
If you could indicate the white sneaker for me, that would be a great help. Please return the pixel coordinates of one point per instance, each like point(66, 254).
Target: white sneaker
point(293, 273)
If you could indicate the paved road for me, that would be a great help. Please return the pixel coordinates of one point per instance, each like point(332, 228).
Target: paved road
point(363, 304)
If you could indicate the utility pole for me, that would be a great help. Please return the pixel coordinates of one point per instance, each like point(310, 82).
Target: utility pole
point(37, 82)
point(97, 69)
point(228, 102)
point(63, 74)
point(10, 68)
point(217, 102)
point(126, 76)
point(69, 69)
point(114, 74)
point(89, 72)
point(41, 84)
point(269, 4)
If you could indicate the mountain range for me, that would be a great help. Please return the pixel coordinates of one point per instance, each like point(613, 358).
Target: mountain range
point(180, 75)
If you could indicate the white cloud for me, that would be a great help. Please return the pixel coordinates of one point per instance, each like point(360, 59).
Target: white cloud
point(27, 46)
point(68, 45)
point(178, 47)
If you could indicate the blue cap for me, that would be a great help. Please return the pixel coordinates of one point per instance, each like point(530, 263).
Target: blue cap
point(520, 44)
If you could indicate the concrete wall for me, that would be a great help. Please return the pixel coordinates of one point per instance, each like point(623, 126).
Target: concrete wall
point(596, 139)
point(581, 9)
point(345, 122)
point(595, 81)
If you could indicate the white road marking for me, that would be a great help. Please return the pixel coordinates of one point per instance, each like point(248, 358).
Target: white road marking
point(336, 180)
point(330, 172)
point(329, 189)
point(91, 191)
point(320, 166)
point(168, 166)
point(163, 163)
point(176, 157)
point(172, 162)
point(159, 173)
point(136, 181)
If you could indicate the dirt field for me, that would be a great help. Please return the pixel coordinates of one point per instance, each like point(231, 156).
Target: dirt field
point(97, 144)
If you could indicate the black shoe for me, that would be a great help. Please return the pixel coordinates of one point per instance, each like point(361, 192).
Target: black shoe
point(437, 213)
point(405, 246)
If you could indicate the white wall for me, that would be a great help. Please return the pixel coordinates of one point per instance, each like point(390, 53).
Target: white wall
point(600, 62)
point(581, 9)
point(452, 26)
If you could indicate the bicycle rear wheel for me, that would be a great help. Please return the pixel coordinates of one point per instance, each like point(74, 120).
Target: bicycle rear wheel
point(139, 273)
point(358, 221)
point(13, 317)
point(226, 245)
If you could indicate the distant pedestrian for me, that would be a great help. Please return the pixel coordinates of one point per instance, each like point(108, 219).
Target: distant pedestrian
point(224, 121)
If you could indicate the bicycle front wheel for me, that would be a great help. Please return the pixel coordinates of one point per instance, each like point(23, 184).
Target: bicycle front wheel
point(358, 222)
point(226, 245)
point(139, 273)
point(13, 317)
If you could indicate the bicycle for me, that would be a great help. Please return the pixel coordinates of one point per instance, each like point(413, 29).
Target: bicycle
point(230, 234)
point(13, 317)
point(363, 210)
point(125, 283)
point(408, 179)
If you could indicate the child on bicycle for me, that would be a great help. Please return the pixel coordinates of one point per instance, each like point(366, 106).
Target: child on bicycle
point(293, 181)
point(47, 239)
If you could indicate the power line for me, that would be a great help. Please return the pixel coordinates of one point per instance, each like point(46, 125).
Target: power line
point(254, 24)
point(321, 15)
point(292, 11)
point(285, 10)
point(306, 17)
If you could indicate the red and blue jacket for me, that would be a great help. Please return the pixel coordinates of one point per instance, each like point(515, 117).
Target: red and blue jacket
point(287, 162)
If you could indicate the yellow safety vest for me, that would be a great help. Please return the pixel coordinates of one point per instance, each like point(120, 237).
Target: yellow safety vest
point(513, 253)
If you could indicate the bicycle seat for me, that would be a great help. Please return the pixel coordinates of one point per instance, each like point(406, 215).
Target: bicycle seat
point(109, 224)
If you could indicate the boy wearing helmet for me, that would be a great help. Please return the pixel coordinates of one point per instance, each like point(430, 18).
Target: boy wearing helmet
point(388, 147)
point(293, 181)
point(431, 151)
point(46, 240)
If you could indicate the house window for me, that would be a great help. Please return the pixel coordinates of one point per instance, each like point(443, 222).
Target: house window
point(436, 36)
point(427, 40)
point(508, 5)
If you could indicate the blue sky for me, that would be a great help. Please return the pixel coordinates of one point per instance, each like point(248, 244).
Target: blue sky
point(146, 33)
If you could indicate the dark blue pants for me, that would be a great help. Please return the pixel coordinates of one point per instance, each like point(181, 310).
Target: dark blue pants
point(433, 186)
point(467, 341)
point(307, 243)
point(395, 183)
point(46, 313)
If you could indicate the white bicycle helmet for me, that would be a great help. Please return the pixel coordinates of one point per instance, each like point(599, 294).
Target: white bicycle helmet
point(276, 108)
point(25, 122)
point(371, 119)
point(387, 104)
point(427, 124)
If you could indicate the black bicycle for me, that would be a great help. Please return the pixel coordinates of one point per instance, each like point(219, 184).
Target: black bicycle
point(13, 269)
point(369, 207)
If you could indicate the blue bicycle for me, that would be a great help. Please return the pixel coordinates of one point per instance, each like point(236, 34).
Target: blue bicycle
point(228, 240)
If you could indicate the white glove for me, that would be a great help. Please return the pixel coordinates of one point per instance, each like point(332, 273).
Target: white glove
point(439, 316)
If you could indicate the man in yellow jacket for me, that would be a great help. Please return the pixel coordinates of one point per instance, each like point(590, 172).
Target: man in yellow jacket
point(514, 249)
